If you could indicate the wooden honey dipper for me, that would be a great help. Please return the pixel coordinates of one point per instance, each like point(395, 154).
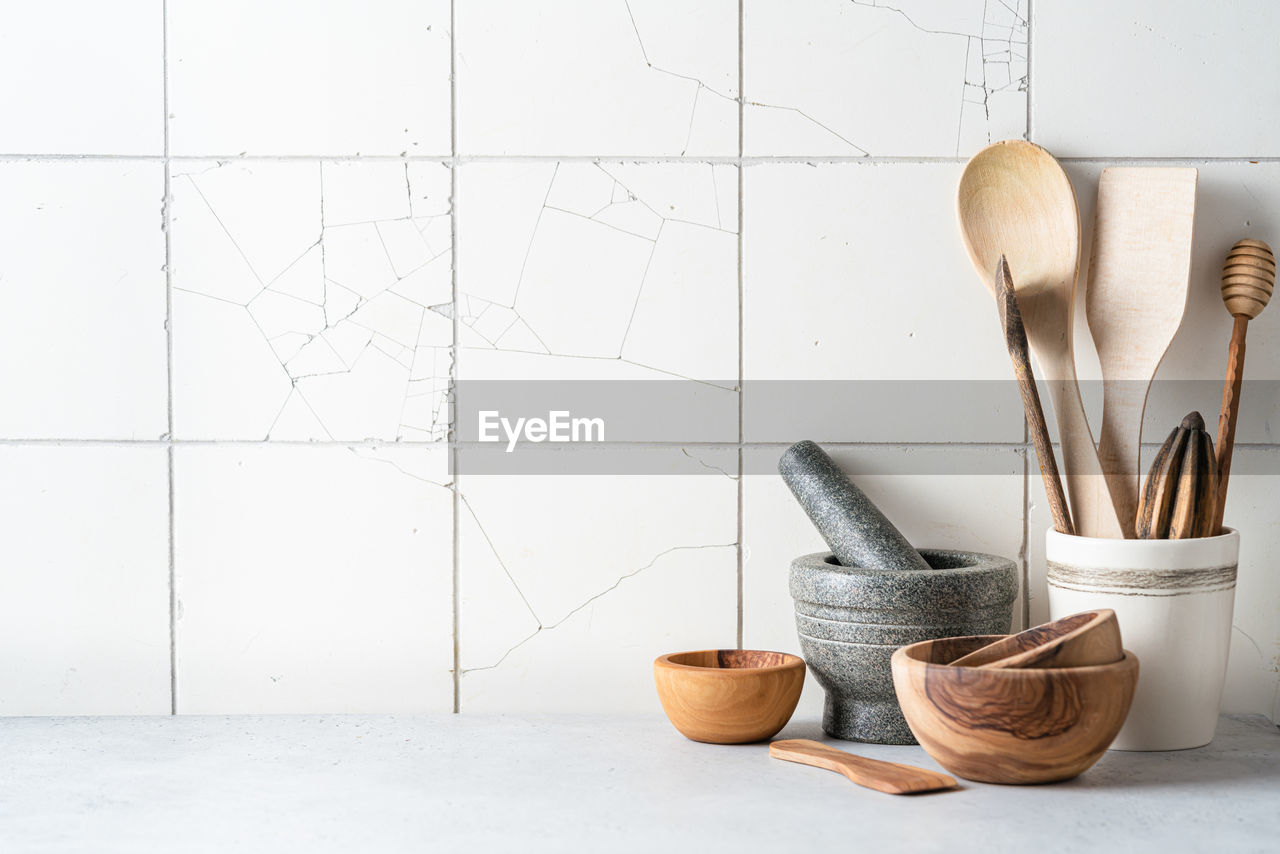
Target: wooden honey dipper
point(1248, 279)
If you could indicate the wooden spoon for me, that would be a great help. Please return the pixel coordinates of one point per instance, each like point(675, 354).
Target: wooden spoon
point(1080, 640)
point(1015, 200)
point(1137, 295)
point(891, 777)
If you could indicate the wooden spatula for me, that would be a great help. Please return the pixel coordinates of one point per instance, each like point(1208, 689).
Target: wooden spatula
point(1136, 297)
point(888, 777)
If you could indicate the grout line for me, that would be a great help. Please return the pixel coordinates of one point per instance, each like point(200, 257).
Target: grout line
point(1024, 548)
point(741, 383)
point(157, 158)
point(388, 443)
point(453, 362)
point(1030, 111)
point(166, 224)
point(730, 160)
point(1028, 448)
point(173, 600)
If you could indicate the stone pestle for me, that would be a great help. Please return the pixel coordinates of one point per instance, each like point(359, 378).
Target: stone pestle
point(855, 529)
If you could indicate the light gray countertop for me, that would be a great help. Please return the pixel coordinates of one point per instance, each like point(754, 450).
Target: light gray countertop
point(581, 783)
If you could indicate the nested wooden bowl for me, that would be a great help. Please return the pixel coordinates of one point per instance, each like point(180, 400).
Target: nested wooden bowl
point(1090, 637)
point(729, 696)
point(1014, 725)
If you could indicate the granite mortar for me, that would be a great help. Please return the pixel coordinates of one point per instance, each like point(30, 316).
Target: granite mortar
point(851, 619)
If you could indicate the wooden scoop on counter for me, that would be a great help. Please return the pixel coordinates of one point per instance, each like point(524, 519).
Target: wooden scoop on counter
point(1080, 640)
point(891, 777)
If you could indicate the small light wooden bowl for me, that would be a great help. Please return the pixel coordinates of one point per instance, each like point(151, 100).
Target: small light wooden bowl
point(729, 696)
point(1019, 725)
point(1080, 640)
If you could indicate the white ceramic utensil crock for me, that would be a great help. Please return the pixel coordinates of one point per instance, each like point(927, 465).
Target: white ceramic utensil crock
point(1174, 600)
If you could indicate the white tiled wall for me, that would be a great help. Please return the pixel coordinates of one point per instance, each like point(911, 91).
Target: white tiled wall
point(246, 249)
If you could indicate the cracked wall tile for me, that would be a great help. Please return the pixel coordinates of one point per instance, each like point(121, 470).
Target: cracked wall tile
point(301, 77)
point(82, 336)
point(916, 77)
point(855, 272)
point(562, 614)
point(309, 300)
point(1253, 669)
point(598, 270)
point(84, 619)
point(82, 78)
point(612, 77)
point(968, 510)
point(1152, 78)
point(313, 579)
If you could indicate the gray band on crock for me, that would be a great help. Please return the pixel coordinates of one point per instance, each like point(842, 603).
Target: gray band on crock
point(1142, 582)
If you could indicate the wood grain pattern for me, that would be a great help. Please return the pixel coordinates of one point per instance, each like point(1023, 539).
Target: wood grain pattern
point(1248, 280)
point(1080, 640)
point(1155, 504)
point(1015, 725)
point(1015, 200)
point(1179, 497)
point(1195, 502)
point(892, 777)
point(1137, 294)
point(1015, 339)
point(729, 696)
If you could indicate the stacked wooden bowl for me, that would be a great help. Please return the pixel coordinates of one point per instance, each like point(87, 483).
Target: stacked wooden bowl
point(1035, 707)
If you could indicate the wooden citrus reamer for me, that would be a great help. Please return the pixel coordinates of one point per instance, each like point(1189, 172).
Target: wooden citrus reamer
point(1248, 279)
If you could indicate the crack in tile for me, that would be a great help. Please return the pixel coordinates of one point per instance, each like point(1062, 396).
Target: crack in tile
point(343, 309)
point(364, 454)
point(544, 627)
point(997, 44)
point(472, 309)
point(700, 461)
point(605, 224)
point(699, 84)
point(1005, 55)
point(810, 118)
point(1250, 639)
point(622, 346)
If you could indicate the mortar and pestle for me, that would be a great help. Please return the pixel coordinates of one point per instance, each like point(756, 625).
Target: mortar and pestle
point(872, 593)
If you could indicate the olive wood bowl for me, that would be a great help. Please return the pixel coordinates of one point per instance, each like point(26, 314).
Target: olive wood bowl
point(1090, 637)
point(729, 696)
point(1010, 725)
